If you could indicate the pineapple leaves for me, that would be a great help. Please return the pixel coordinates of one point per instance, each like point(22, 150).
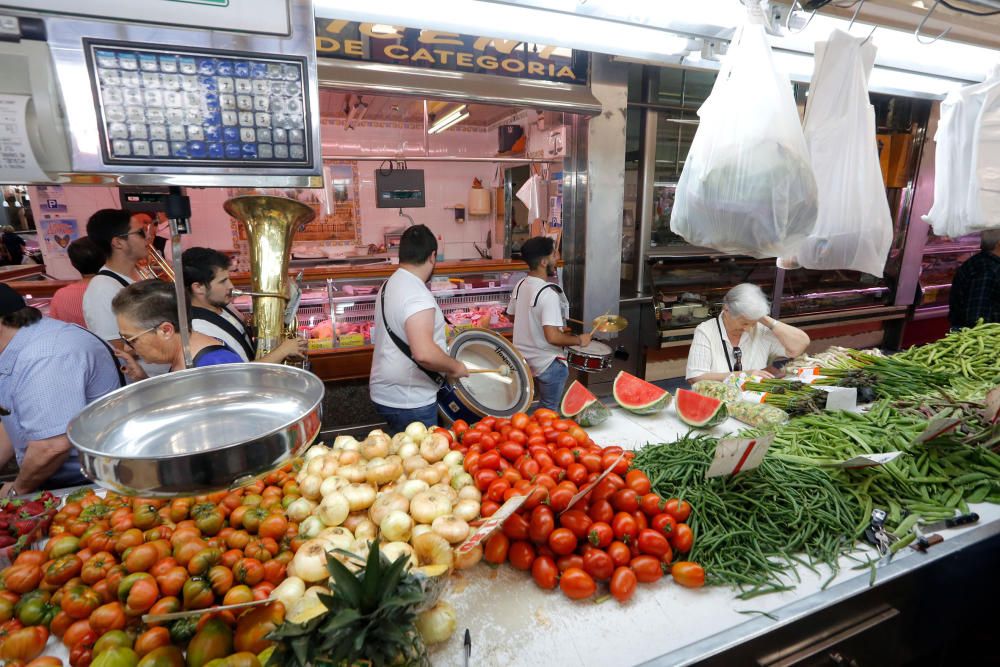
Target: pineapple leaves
point(345, 584)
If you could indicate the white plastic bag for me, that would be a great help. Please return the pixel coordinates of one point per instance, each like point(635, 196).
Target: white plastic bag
point(747, 187)
point(853, 223)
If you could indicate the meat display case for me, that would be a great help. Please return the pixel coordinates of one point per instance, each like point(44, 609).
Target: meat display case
point(941, 259)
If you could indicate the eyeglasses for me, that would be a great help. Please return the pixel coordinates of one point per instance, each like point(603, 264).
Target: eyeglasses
point(137, 232)
point(737, 358)
point(130, 340)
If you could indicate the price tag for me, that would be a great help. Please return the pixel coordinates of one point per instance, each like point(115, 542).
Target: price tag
point(867, 460)
point(585, 490)
point(992, 406)
point(807, 372)
point(841, 398)
point(755, 396)
point(938, 427)
point(733, 455)
point(492, 523)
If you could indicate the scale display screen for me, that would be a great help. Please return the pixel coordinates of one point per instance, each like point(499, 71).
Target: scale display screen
point(170, 106)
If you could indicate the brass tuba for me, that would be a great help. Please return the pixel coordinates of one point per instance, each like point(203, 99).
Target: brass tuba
point(270, 223)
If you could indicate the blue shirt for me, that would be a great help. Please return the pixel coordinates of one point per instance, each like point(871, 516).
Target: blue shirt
point(49, 372)
point(213, 355)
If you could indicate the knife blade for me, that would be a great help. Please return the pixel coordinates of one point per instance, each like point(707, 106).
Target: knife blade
point(953, 522)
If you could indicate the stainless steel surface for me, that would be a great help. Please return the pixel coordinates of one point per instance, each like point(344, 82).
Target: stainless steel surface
point(443, 158)
point(916, 229)
point(647, 178)
point(575, 193)
point(383, 79)
point(180, 290)
point(196, 430)
point(931, 313)
point(65, 42)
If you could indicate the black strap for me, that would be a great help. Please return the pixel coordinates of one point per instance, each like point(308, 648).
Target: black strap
point(542, 289)
point(435, 377)
point(111, 351)
point(199, 313)
point(724, 350)
point(112, 274)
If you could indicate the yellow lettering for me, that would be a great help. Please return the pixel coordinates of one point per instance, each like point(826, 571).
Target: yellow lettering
point(536, 68)
point(397, 52)
point(512, 66)
point(546, 52)
point(435, 37)
point(486, 62)
point(327, 45)
point(422, 54)
point(443, 55)
point(352, 47)
point(335, 27)
point(565, 72)
point(504, 46)
point(367, 30)
point(463, 59)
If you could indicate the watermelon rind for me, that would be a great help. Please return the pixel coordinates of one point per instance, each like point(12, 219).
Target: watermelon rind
point(593, 414)
point(659, 398)
point(576, 399)
point(719, 414)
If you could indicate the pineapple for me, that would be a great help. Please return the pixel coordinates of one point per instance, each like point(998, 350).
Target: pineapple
point(369, 619)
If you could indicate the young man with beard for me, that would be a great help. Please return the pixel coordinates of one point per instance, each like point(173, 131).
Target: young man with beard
point(539, 309)
point(206, 277)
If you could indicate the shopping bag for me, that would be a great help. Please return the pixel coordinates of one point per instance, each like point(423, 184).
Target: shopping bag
point(747, 187)
point(853, 223)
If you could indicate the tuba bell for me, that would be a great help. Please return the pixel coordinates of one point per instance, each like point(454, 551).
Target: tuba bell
point(270, 224)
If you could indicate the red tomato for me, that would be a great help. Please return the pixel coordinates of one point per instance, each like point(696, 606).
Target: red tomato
point(106, 618)
point(566, 562)
point(682, 538)
point(565, 441)
point(537, 496)
point(24, 644)
point(545, 573)
point(600, 535)
point(563, 457)
point(651, 504)
point(688, 574)
point(576, 473)
point(608, 459)
point(653, 543)
point(521, 555)
point(484, 477)
point(519, 420)
point(601, 510)
point(490, 459)
point(625, 527)
point(623, 584)
point(559, 498)
point(497, 489)
point(577, 584)
point(528, 468)
point(577, 521)
point(562, 541)
point(496, 549)
point(625, 500)
point(511, 451)
point(488, 508)
point(647, 568)
point(679, 509)
point(542, 524)
point(620, 553)
point(637, 481)
point(663, 523)
point(591, 461)
point(472, 437)
point(598, 564)
point(516, 527)
point(640, 520)
point(78, 632)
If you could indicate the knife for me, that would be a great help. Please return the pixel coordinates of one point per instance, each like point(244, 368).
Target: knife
point(953, 522)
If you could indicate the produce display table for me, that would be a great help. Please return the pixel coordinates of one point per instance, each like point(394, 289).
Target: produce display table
point(513, 622)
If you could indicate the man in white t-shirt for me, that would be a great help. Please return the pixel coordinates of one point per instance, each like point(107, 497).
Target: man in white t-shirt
point(122, 238)
point(539, 309)
point(409, 338)
point(206, 276)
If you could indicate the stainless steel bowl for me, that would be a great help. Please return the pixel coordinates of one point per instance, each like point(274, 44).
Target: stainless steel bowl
point(198, 430)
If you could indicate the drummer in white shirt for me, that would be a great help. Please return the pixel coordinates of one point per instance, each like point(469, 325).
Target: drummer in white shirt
point(206, 276)
point(539, 309)
point(742, 339)
point(411, 354)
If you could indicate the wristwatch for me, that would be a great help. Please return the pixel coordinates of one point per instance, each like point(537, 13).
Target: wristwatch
point(11, 492)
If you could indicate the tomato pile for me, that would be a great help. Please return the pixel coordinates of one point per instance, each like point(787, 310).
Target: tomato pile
point(21, 521)
point(111, 560)
point(619, 532)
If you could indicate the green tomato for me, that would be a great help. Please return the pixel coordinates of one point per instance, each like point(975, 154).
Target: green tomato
point(34, 611)
point(214, 640)
point(112, 639)
point(116, 656)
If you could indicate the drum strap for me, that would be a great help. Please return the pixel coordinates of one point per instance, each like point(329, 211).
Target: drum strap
point(542, 289)
point(112, 274)
point(435, 377)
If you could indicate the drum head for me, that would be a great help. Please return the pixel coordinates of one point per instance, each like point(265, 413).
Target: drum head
point(491, 393)
point(594, 347)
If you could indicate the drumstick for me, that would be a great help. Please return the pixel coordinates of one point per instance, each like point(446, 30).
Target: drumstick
point(502, 370)
point(570, 319)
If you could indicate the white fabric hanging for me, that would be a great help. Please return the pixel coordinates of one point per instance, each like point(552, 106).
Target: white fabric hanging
point(531, 195)
point(853, 223)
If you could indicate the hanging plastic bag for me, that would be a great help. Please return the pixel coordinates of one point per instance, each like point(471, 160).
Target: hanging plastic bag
point(853, 223)
point(747, 187)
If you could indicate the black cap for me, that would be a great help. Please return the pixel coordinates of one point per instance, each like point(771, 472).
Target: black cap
point(10, 301)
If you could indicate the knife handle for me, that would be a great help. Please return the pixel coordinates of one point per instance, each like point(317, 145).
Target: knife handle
point(961, 520)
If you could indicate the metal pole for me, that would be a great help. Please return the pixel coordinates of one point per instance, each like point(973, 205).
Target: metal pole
point(646, 178)
point(179, 212)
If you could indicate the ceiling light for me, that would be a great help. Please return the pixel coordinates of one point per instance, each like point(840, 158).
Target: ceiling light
point(449, 119)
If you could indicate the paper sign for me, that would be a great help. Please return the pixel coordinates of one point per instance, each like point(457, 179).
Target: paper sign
point(587, 489)
point(806, 372)
point(841, 398)
point(492, 523)
point(17, 159)
point(755, 396)
point(938, 427)
point(734, 455)
point(867, 460)
point(992, 406)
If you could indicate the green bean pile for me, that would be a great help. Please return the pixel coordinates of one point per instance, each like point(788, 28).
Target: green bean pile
point(969, 353)
point(753, 527)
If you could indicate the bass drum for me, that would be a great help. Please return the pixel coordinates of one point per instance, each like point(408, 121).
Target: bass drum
point(486, 394)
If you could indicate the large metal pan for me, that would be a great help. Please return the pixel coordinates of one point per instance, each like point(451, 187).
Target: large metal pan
point(198, 430)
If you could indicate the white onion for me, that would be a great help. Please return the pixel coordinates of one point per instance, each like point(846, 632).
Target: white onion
point(412, 487)
point(331, 484)
point(419, 530)
point(414, 463)
point(359, 496)
point(428, 505)
point(345, 442)
point(461, 481)
point(470, 492)
point(353, 473)
point(387, 503)
point(310, 527)
point(289, 591)
point(366, 530)
point(315, 466)
point(300, 509)
point(454, 458)
point(416, 431)
point(334, 509)
point(382, 471)
point(310, 486)
point(451, 528)
point(438, 623)
point(408, 449)
point(466, 510)
point(429, 475)
point(309, 561)
point(434, 447)
point(446, 491)
point(315, 450)
point(396, 526)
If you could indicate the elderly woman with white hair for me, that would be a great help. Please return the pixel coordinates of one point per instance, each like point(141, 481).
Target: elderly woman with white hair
point(742, 339)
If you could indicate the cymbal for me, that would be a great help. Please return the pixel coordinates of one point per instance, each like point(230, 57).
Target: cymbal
point(610, 323)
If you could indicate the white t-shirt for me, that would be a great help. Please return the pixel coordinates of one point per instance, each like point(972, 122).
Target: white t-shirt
point(97, 304)
point(209, 329)
point(530, 317)
point(709, 349)
point(396, 381)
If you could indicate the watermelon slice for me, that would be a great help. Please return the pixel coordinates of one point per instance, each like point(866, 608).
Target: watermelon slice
point(582, 406)
point(638, 396)
point(700, 411)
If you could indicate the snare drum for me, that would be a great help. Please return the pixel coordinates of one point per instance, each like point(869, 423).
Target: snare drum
point(485, 394)
point(596, 356)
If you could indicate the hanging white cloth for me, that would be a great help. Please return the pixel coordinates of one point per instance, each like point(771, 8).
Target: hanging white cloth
point(532, 195)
